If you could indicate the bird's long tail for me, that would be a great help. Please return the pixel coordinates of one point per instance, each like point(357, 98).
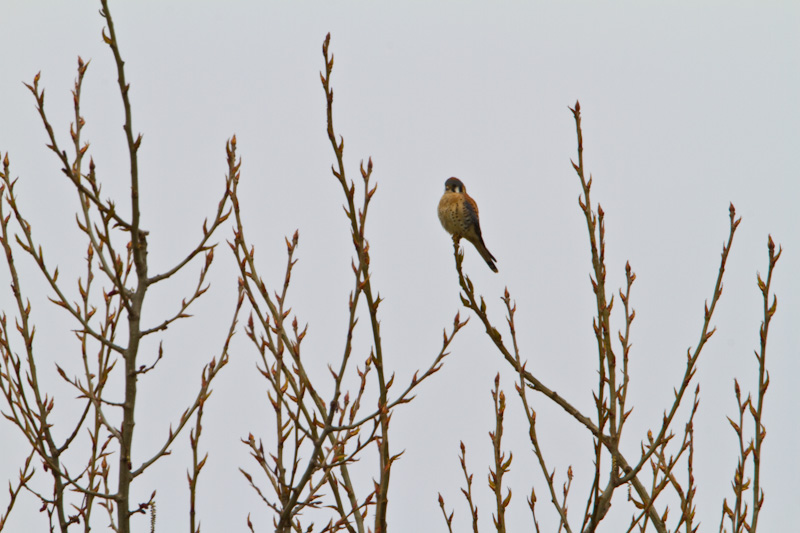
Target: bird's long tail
point(486, 254)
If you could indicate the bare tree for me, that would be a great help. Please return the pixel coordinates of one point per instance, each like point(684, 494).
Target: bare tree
point(308, 476)
point(106, 305)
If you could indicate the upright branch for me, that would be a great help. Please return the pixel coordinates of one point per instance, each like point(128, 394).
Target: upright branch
point(760, 432)
point(139, 244)
point(29, 406)
point(692, 357)
point(357, 224)
point(29, 418)
point(448, 518)
point(741, 517)
point(530, 413)
point(25, 475)
point(663, 466)
point(135, 298)
point(206, 377)
point(501, 464)
point(467, 492)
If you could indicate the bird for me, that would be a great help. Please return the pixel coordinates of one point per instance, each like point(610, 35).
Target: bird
point(458, 214)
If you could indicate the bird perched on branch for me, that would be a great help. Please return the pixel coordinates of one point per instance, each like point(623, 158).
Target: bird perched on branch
point(458, 214)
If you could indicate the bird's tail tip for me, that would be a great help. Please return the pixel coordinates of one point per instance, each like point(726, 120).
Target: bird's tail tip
point(486, 255)
point(490, 260)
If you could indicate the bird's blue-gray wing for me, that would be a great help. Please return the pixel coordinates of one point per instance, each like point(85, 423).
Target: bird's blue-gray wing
point(472, 215)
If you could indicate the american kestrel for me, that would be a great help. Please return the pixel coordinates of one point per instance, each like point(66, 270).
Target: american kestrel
point(458, 214)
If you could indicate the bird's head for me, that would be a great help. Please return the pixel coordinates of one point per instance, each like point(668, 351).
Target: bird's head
point(454, 185)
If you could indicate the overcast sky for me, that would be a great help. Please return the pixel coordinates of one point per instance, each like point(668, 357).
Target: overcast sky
point(686, 108)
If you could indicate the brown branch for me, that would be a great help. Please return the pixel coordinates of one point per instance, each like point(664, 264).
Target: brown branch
point(530, 413)
point(139, 247)
point(447, 518)
point(209, 372)
point(763, 382)
point(25, 475)
point(358, 222)
point(665, 467)
point(501, 464)
point(740, 516)
point(473, 509)
point(692, 358)
point(29, 415)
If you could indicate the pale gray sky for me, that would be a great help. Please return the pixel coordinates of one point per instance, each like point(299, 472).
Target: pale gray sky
point(686, 108)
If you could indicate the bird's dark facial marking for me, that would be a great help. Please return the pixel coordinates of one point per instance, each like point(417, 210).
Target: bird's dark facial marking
point(454, 185)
